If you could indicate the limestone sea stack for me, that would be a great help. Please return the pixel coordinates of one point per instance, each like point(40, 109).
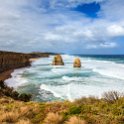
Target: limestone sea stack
point(77, 63)
point(58, 60)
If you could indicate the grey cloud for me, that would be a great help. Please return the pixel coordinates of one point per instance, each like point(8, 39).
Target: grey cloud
point(26, 26)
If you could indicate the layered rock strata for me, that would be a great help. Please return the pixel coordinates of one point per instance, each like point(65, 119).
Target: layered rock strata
point(11, 60)
point(77, 63)
point(58, 60)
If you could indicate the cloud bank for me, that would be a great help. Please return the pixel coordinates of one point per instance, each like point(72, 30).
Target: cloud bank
point(52, 25)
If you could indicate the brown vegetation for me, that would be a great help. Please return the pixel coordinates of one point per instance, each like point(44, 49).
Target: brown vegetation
point(24, 122)
point(53, 118)
point(112, 96)
point(83, 111)
point(75, 120)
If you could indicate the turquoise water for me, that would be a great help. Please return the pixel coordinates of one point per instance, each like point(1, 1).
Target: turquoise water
point(47, 83)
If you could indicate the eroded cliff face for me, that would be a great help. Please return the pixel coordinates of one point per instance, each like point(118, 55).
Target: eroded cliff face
point(11, 60)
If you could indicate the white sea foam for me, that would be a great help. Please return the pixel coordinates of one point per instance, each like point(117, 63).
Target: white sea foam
point(73, 91)
point(107, 68)
point(66, 78)
point(16, 79)
point(47, 88)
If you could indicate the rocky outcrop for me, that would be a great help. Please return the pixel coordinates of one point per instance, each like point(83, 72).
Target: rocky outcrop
point(58, 60)
point(11, 60)
point(77, 63)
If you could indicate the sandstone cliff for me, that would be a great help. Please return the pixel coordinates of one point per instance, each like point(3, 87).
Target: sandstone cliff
point(38, 54)
point(11, 60)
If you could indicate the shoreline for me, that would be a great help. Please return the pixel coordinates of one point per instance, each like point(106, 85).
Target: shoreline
point(7, 74)
point(9, 61)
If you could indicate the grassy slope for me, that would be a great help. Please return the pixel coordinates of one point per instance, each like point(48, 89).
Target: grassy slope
point(92, 110)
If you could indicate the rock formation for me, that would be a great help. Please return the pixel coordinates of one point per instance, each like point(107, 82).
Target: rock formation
point(77, 63)
point(11, 60)
point(38, 54)
point(58, 60)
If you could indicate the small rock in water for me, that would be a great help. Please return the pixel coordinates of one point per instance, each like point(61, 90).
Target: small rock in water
point(58, 60)
point(77, 63)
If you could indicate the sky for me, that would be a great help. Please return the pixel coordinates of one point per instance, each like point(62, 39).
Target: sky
point(65, 26)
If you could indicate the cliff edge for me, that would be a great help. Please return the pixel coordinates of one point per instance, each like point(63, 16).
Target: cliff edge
point(12, 60)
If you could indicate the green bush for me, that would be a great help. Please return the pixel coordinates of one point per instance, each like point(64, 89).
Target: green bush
point(15, 95)
point(75, 110)
point(25, 97)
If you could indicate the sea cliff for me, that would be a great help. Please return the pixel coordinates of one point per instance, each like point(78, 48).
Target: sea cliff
point(11, 60)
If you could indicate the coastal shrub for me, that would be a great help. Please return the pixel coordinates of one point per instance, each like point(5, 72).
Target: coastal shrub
point(111, 96)
point(15, 95)
point(2, 85)
point(92, 111)
point(7, 91)
point(1, 93)
point(53, 118)
point(120, 119)
point(75, 120)
point(75, 110)
point(85, 100)
point(25, 97)
point(10, 92)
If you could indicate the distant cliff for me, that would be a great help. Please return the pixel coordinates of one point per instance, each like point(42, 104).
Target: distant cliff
point(11, 60)
point(38, 54)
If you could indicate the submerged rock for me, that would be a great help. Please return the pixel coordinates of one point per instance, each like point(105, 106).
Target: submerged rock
point(77, 63)
point(58, 60)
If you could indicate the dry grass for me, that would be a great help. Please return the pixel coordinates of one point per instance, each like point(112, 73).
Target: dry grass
point(92, 110)
point(75, 120)
point(25, 110)
point(53, 118)
point(9, 117)
point(57, 106)
point(111, 96)
point(23, 122)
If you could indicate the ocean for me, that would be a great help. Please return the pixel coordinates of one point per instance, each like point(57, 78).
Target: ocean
point(99, 74)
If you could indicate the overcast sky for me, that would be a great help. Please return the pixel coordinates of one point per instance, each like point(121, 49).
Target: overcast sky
point(67, 26)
